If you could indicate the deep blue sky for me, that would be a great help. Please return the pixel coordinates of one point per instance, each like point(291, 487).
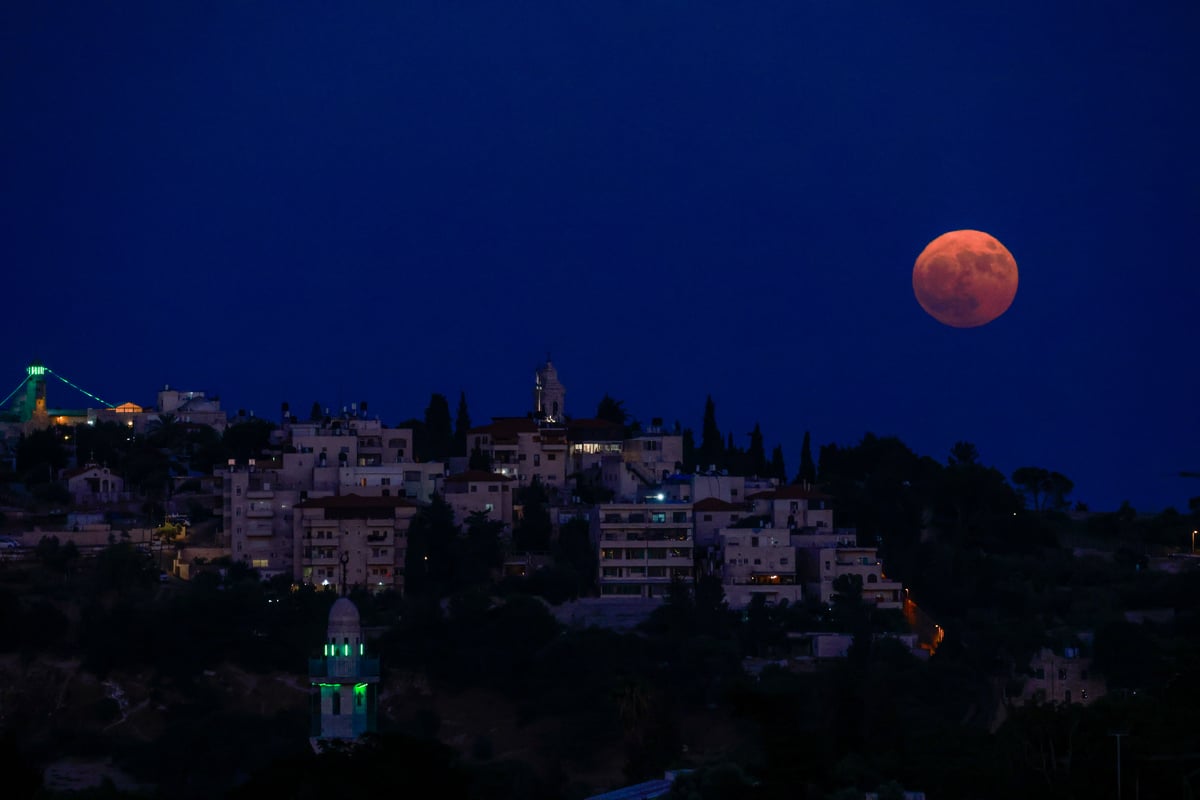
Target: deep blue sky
point(375, 201)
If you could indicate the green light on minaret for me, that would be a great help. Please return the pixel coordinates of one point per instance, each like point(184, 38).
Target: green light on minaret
point(35, 369)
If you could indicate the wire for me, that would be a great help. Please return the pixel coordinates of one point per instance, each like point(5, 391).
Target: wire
point(79, 389)
point(14, 391)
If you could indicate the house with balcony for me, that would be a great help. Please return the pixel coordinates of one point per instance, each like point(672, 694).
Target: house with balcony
point(1062, 674)
point(480, 492)
point(642, 547)
point(821, 566)
point(524, 449)
point(758, 561)
point(793, 506)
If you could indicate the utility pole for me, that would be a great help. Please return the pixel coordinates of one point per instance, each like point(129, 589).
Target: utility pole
point(1118, 736)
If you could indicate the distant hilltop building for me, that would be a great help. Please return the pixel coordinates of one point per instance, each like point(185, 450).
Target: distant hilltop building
point(28, 407)
point(344, 680)
point(194, 408)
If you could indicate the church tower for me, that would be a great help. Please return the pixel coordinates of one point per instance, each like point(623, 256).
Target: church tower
point(549, 396)
point(344, 681)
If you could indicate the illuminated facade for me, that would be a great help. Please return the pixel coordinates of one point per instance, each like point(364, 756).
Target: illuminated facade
point(549, 395)
point(344, 680)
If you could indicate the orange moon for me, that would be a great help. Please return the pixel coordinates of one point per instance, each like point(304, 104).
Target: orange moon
point(965, 278)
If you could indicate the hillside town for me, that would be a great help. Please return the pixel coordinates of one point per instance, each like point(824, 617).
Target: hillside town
point(613, 523)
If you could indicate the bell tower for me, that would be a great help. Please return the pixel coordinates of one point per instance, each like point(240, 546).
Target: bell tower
point(549, 395)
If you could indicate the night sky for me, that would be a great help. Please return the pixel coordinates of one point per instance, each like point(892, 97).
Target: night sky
point(379, 200)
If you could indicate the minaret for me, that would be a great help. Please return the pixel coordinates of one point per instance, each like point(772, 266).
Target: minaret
point(344, 681)
point(34, 407)
point(549, 395)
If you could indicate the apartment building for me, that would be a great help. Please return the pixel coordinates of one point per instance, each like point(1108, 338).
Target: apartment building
point(352, 540)
point(642, 547)
point(257, 505)
point(321, 458)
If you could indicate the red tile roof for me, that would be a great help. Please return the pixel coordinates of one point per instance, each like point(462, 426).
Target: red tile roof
point(791, 493)
point(716, 504)
point(506, 426)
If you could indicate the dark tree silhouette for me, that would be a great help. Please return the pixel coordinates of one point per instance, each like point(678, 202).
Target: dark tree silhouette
point(462, 424)
point(756, 455)
point(778, 468)
point(612, 410)
point(712, 449)
point(439, 430)
point(808, 469)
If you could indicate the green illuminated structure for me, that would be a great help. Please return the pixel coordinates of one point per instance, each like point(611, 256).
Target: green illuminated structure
point(344, 680)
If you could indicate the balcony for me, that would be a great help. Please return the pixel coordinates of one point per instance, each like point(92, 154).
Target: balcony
point(260, 513)
point(354, 669)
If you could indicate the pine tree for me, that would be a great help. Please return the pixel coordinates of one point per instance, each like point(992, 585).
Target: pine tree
point(462, 424)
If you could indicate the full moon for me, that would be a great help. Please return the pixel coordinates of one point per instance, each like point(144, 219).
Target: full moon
point(965, 278)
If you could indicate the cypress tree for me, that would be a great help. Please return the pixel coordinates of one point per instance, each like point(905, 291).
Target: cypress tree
point(711, 449)
point(756, 456)
point(462, 424)
point(808, 469)
point(778, 470)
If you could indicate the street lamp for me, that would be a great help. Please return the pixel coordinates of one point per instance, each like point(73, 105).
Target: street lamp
point(1193, 542)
